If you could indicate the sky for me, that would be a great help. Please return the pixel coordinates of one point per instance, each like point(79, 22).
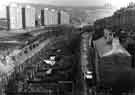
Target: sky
point(117, 3)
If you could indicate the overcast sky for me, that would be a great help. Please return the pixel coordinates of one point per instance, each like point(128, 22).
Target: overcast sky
point(117, 3)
